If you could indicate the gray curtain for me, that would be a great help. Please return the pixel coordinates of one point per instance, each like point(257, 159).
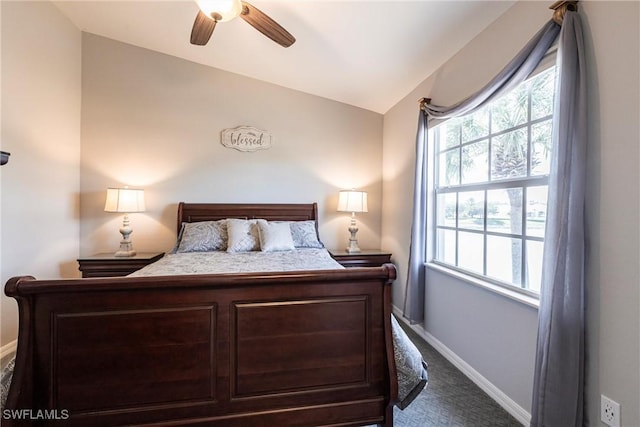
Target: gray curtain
point(558, 387)
point(558, 390)
point(512, 75)
point(414, 294)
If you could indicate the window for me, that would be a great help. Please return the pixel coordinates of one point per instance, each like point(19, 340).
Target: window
point(491, 177)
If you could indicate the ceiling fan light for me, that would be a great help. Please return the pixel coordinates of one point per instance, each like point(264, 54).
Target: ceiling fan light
point(220, 10)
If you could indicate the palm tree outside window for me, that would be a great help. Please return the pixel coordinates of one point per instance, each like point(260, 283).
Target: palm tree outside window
point(491, 180)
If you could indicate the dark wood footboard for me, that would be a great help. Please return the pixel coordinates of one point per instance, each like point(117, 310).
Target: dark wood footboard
point(272, 349)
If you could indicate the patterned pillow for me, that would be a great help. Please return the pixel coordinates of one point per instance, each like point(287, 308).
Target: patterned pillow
point(304, 234)
point(203, 236)
point(243, 235)
point(275, 236)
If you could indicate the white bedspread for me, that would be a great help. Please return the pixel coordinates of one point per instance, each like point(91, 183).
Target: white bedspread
point(218, 262)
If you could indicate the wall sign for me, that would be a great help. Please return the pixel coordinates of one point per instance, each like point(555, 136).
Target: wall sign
point(246, 138)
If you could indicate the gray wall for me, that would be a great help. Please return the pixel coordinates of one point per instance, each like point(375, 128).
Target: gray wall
point(41, 128)
point(82, 113)
point(153, 121)
point(493, 336)
point(613, 206)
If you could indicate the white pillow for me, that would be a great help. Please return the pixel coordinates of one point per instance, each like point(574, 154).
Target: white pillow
point(242, 235)
point(275, 236)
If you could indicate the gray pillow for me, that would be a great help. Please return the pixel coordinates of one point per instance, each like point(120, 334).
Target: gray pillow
point(304, 234)
point(203, 236)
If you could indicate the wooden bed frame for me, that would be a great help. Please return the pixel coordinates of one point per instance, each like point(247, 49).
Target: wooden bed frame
point(306, 348)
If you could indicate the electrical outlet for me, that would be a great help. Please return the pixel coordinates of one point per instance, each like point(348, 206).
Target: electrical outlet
point(609, 411)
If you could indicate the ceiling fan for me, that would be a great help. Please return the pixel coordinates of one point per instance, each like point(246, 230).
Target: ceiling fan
point(213, 11)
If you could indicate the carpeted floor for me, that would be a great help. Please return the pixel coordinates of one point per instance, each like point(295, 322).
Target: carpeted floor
point(450, 399)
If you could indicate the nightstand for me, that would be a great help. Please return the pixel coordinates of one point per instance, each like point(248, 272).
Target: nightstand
point(109, 265)
point(364, 258)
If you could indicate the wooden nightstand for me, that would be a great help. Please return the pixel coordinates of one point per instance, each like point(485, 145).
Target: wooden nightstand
point(365, 258)
point(108, 265)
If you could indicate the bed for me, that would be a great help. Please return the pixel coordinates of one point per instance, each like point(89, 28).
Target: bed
point(302, 347)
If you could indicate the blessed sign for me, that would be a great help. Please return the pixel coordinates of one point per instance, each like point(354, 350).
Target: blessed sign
point(246, 138)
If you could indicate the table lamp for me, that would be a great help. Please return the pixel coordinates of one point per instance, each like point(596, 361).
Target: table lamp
point(125, 200)
point(352, 201)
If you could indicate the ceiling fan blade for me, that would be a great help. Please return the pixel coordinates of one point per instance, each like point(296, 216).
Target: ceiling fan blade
point(267, 26)
point(202, 29)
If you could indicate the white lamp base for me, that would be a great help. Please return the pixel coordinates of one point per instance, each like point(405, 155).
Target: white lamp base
point(122, 252)
point(353, 242)
point(126, 247)
point(353, 247)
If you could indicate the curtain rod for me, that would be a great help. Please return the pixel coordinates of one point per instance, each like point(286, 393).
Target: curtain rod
point(423, 102)
point(560, 8)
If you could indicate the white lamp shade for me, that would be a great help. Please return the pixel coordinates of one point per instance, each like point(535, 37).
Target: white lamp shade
point(352, 201)
point(125, 200)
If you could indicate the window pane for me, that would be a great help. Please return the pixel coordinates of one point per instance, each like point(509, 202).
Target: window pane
point(511, 110)
point(534, 265)
point(536, 210)
point(474, 162)
point(446, 246)
point(541, 147)
point(542, 90)
point(509, 155)
point(505, 210)
point(504, 259)
point(449, 168)
point(471, 210)
point(491, 185)
point(446, 205)
point(450, 134)
point(475, 126)
point(470, 251)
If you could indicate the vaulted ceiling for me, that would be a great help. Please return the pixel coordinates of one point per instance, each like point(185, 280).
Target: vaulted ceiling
point(369, 54)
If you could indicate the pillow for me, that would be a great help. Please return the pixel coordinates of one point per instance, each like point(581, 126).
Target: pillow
point(243, 235)
point(304, 234)
point(275, 236)
point(203, 236)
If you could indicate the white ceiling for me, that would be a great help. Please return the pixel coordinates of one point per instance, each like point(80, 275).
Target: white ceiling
point(365, 53)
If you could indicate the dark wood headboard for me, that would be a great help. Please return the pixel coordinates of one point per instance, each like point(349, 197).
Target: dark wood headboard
point(194, 212)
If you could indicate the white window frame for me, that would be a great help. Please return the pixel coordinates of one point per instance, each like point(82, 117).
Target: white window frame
point(511, 290)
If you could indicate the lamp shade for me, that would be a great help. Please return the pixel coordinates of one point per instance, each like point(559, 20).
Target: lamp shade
point(352, 201)
point(125, 200)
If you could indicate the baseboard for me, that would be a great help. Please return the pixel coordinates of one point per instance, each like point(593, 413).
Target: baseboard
point(8, 348)
point(509, 405)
